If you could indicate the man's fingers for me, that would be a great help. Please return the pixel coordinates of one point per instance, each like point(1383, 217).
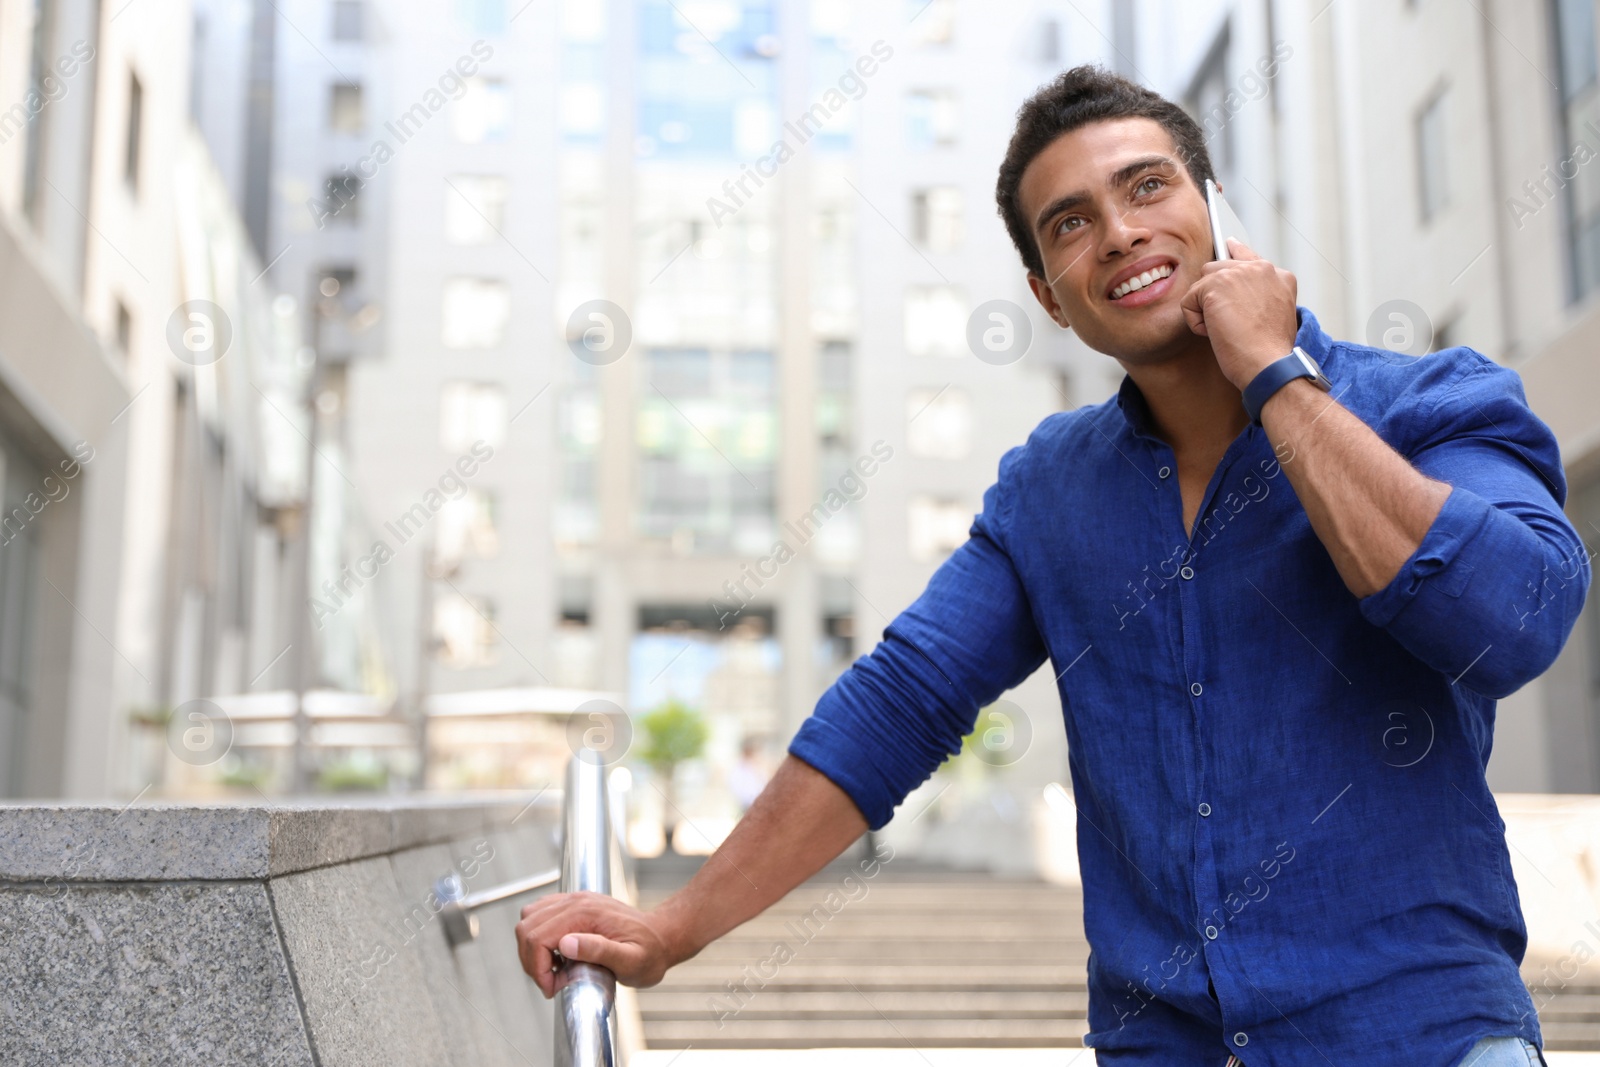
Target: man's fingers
point(537, 961)
point(1239, 250)
point(618, 957)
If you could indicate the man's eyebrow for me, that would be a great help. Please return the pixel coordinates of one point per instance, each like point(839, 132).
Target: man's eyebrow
point(1122, 176)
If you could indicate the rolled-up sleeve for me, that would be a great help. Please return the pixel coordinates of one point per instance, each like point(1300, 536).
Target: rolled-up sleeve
point(1496, 584)
point(889, 720)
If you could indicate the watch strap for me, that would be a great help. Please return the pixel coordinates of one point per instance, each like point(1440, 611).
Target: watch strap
point(1275, 376)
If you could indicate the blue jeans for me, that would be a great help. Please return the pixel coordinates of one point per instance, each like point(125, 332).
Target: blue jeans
point(1490, 1052)
point(1503, 1052)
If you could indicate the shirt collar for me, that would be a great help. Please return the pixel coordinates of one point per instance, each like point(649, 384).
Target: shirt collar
point(1308, 336)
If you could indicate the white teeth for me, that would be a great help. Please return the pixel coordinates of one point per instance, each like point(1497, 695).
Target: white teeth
point(1140, 281)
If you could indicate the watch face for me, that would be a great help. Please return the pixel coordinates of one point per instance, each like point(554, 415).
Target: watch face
point(1311, 365)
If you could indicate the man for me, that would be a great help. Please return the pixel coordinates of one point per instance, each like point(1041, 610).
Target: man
point(1278, 647)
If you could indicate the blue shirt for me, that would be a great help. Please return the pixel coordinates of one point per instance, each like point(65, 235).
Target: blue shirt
point(1287, 844)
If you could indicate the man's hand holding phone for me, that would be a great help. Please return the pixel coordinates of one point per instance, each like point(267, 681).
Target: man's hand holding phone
point(1244, 304)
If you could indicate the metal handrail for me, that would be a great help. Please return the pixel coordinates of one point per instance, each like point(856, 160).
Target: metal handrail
point(586, 1015)
point(586, 1018)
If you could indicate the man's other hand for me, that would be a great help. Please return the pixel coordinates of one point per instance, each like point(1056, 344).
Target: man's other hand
point(591, 928)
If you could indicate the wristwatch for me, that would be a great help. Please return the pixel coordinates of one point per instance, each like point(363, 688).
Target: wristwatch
point(1276, 375)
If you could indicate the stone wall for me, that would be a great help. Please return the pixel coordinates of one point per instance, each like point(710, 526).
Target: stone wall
point(278, 935)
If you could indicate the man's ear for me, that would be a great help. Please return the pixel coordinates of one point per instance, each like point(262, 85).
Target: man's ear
point(1048, 301)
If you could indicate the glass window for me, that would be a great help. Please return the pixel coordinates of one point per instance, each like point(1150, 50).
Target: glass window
point(1432, 164)
point(939, 423)
point(345, 113)
point(931, 118)
point(475, 312)
point(474, 209)
point(467, 528)
point(341, 198)
point(482, 16)
point(483, 111)
point(932, 21)
point(937, 527)
point(936, 321)
point(346, 20)
point(1580, 107)
point(470, 412)
point(936, 218)
point(130, 161)
point(463, 628)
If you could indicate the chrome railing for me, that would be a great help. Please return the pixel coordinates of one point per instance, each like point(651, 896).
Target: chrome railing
point(586, 994)
point(586, 1018)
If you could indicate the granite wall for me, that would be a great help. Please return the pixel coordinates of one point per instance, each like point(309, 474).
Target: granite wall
point(277, 935)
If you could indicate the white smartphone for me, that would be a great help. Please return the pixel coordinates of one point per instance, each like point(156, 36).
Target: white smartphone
point(1224, 223)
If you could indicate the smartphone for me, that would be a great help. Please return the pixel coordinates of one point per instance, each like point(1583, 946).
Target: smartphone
point(1224, 223)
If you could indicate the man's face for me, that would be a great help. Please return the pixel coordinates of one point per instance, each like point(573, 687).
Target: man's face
point(1108, 202)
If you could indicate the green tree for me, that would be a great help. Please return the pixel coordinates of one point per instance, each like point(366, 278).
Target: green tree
point(673, 732)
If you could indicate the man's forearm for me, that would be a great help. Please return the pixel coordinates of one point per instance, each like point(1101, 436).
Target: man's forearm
point(798, 824)
point(1367, 504)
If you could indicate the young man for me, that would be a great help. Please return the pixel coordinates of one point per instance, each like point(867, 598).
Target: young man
point(1278, 644)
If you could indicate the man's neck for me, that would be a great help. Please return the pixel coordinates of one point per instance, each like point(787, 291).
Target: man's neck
point(1195, 408)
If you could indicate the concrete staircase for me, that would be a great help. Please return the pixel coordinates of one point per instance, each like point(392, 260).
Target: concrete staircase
point(913, 958)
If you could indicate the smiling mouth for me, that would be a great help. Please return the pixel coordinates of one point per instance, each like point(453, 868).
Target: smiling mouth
point(1143, 281)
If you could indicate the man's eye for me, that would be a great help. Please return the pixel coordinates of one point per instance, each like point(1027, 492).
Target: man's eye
point(1144, 186)
point(1066, 224)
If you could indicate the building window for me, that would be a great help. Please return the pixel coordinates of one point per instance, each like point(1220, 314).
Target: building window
point(474, 209)
point(1580, 106)
point(470, 412)
point(931, 118)
point(124, 330)
point(463, 630)
point(938, 423)
point(482, 16)
point(935, 321)
point(345, 113)
point(130, 158)
point(1433, 190)
point(1208, 102)
point(937, 527)
point(932, 21)
point(347, 20)
point(466, 528)
point(936, 218)
point(483, 111)
point(475, 312)
point(341, 198)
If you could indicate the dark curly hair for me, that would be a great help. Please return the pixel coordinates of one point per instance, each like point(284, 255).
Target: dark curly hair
point(1076, 98)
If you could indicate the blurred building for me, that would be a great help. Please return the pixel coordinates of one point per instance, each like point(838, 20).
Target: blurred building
point(146, 496)
point(63, 425)
point(1427, 172)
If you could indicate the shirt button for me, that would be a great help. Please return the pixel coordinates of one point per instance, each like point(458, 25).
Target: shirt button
point(1195, 689)
point(1164, 471)
point(1241, 1039)
point(1211, 933)
point(1205, 809)
point(1187, 572)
